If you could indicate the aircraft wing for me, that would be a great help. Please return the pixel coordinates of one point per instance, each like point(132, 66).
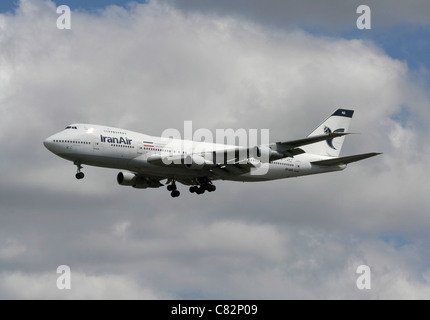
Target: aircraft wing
point(344, 160)
point(225, 157)
point(223, 163)
point(161, 160)
point(233, 169)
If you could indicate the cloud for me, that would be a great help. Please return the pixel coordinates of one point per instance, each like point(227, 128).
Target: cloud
point(148, 67)
point(10, 249)
point(43, 286)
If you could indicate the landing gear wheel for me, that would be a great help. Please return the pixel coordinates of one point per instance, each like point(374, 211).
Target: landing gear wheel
point(80, 175)
point(203, 184)
point(175, 193)
point(171, 187)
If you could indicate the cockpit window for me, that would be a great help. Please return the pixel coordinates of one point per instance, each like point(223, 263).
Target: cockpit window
point(71, 127)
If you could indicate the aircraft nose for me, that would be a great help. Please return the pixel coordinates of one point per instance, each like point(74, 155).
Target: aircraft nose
point(48, 143)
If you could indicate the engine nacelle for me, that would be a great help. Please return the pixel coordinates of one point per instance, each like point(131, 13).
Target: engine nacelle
point(265, 154)
point(196, 162)
point(139, 182)
point(126, 178)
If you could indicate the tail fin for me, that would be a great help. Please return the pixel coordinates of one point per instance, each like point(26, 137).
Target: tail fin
point(338, 122)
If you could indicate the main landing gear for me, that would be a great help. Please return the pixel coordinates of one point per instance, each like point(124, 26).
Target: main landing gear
point(174, 190)
point(203, 184)
point(79, 175)
point(202, 188)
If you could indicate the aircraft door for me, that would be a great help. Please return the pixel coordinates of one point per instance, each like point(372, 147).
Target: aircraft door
point(296, 166)
point(96, 144)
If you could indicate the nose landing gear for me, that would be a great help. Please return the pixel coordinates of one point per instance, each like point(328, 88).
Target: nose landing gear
point(79, 175)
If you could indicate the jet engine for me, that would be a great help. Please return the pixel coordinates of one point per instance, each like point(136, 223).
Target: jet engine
point(139, 182)
point(126, 179)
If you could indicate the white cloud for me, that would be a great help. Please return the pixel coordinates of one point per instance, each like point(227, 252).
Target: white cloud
point(17, 285)
point(152, 66)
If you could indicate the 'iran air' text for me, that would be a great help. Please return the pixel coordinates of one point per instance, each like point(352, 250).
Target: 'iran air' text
point(115, 140)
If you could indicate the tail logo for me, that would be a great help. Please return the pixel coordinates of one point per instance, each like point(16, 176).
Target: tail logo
point(327, 130)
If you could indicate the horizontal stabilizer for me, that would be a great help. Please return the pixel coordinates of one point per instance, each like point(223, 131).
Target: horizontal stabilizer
point(344, 160)
point(309, 140)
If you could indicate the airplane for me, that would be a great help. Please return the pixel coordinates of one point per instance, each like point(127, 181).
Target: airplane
point(148, 160)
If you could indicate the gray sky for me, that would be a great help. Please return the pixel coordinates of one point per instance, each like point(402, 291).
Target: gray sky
point(327, 15)
point(153, 66)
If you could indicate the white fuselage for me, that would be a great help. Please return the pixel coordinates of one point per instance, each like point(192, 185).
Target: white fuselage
point(123, 149)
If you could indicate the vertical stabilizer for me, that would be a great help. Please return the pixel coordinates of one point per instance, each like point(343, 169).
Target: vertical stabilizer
point(338, 122)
